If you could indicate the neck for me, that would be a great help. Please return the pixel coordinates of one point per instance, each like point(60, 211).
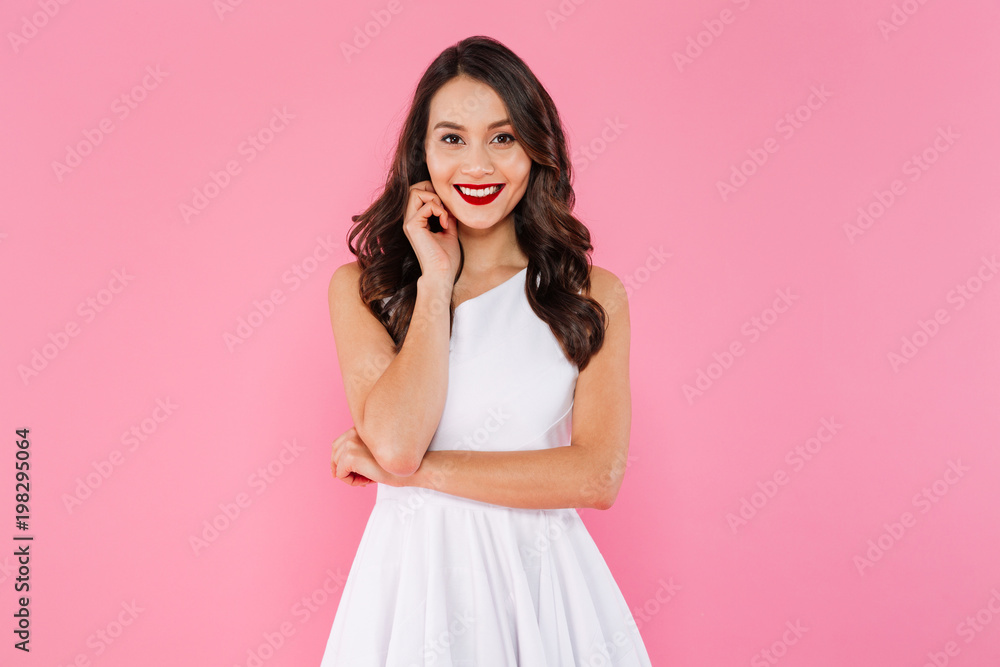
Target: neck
point(487, 250)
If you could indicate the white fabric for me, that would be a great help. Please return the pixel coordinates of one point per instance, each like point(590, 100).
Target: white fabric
point(452, 582)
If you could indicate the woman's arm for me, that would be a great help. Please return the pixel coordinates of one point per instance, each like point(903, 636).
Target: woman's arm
point(396, 400)
point(587, 473)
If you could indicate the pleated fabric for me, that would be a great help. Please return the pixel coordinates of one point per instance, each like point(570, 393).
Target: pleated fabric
point(453, 582)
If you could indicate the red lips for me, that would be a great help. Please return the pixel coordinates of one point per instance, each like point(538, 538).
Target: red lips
point(479, 201)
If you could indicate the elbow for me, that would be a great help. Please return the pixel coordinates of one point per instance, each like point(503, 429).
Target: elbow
point(603, 487)
point(599, 494)
point(398, 461)
point(396, 456)
point(606, 500)
point(400, 466)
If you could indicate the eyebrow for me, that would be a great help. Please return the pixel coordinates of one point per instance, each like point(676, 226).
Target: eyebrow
point(456, 126)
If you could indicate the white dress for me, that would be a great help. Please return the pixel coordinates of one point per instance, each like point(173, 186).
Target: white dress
point(452, 582)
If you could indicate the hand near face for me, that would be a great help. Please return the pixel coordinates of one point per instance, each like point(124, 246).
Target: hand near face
point(438, 253)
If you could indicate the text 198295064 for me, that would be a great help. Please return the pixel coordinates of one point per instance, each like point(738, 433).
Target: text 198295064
point(23, 542)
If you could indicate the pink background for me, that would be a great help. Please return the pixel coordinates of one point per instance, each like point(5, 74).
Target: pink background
point(652, 139)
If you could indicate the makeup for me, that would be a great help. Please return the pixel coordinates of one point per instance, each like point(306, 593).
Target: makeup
point(489, 191)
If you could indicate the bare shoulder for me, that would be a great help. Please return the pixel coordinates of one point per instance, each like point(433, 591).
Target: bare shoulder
point(342, 292)
point(609, 291)
point(346, 276)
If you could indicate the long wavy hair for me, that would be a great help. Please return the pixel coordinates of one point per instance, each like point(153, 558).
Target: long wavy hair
point(555, 242)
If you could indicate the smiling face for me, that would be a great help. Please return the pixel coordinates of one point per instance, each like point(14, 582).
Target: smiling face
point(476, 166)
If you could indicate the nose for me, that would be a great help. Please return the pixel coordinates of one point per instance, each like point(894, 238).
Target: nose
point(478, 164)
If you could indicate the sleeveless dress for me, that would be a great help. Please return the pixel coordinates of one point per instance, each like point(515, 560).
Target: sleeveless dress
point(453, 582)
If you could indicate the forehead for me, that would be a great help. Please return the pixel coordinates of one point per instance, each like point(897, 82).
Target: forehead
point(467, 102)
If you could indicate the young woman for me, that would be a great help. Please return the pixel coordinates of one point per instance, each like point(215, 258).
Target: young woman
point(485, 363)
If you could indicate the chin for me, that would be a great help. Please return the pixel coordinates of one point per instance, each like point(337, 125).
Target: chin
point(480, 222)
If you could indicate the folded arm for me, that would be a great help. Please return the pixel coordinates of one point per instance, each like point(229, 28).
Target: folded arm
point(586, 473)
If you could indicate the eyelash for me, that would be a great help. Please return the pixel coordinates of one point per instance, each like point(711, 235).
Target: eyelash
point(505, 134)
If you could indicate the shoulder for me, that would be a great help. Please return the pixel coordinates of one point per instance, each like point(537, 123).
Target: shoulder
point(607, 289)
point(346, 273)
point(344, 280)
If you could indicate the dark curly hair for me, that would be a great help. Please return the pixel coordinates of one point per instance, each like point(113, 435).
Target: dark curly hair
point(555, 242)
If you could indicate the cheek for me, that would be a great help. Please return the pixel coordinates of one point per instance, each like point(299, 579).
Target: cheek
point(518, 166)
point(439, 167)
point(438, 156)
point(521, 173)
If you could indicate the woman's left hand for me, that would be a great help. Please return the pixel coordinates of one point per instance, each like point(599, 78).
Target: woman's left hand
point(353, 463)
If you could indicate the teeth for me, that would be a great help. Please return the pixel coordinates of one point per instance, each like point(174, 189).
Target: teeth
point(479, 193)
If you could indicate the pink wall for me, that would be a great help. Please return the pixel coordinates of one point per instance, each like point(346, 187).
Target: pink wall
point(848, 409)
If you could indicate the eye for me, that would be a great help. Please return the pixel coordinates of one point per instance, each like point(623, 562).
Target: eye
point(448, 137)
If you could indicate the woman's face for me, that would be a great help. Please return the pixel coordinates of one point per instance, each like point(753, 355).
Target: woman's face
point(470, 145)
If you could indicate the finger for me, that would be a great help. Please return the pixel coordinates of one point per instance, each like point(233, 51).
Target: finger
point(424, 196)
point(357, 479)
point(343, 471)
point(432, 207)
point(423, 214)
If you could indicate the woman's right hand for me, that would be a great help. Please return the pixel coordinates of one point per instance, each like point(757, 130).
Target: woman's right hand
point(438, 253)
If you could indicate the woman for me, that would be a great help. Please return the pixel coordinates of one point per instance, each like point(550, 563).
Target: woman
point(486, 368)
